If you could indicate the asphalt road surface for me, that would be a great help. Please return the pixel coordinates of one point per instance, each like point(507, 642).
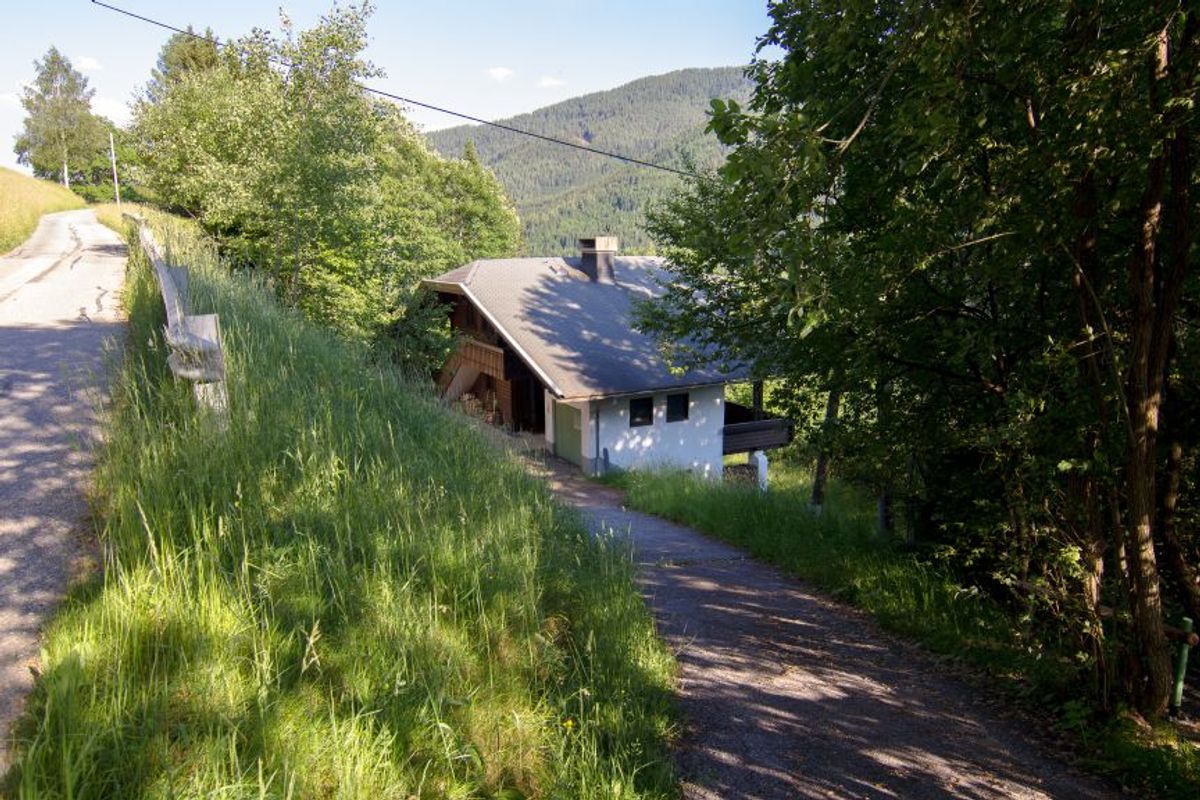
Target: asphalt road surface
point(59, 317)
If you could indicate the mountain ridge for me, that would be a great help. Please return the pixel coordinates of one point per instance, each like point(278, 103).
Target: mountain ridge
point(562, 194)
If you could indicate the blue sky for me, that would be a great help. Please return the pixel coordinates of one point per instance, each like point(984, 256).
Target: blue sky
point(489, 59)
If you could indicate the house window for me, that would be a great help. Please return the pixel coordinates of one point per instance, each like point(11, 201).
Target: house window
point(677, 407)
point(641, 411)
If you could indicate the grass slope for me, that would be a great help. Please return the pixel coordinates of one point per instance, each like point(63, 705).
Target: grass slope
point(23, 201)
point(345, 593)
point(562, 194)
point(841, 553)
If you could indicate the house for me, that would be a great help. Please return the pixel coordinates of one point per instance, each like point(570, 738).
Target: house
point(548, 348)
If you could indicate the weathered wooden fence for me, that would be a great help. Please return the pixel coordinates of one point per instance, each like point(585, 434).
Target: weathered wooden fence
point(194, 339)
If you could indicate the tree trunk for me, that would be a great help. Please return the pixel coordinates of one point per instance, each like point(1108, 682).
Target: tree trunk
point(1145, 604)
point(66, 180)
point(1155, 289)
point(1176, 557)
point(885, 519)
point(1143, 399)
point(1087, 491)
point(833, 405)
point(1180, 233)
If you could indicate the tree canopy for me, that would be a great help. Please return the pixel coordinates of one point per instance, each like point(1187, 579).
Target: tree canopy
point(974, 225)
point(183, 53)
point(61, 136)
point(303, 176)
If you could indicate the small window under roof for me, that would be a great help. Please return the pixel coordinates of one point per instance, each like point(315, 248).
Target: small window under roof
point(641, 412)
point(677, 407)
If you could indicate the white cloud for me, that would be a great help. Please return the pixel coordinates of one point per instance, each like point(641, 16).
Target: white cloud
point(88, 64)
point(115, 110)
point(9, 100)
point(500, 74)
point(548, 82)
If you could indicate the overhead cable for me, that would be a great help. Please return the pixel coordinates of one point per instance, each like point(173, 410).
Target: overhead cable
point(409, 101)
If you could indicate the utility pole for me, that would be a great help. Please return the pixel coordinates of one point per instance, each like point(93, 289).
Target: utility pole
point(112, 154)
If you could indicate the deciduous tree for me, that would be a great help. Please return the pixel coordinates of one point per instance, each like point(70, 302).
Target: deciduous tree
point(61, 135)
point(327, 191)
point(982, 216)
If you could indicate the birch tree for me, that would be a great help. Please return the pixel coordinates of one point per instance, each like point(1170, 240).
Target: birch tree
point(61, 135)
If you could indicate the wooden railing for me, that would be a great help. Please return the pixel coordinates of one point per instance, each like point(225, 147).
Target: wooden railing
point(194, 339)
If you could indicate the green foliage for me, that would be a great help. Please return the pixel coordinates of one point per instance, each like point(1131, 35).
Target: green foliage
point(330, 195)
point(564, 194)
point(1157, 759)
point(342, 592)
point(949, 214)
point(182, 54)
point(60, 135)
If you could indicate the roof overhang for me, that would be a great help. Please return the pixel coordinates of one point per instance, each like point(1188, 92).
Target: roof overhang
point(641, 392)
point(439, 286)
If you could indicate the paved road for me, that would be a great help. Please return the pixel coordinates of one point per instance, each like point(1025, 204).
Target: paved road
point(58, 312)
point(788, 694)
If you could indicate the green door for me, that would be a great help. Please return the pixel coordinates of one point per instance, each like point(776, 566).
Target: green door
point(568, 433)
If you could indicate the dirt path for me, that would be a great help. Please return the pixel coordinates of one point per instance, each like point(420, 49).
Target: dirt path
point(58, 308)
point(788, 694)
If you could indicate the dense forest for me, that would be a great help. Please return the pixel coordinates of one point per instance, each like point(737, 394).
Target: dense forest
point(562, 194)
point(968, 235)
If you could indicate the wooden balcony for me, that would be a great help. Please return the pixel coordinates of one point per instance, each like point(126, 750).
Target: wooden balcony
point(744, 434)
point(484, 358)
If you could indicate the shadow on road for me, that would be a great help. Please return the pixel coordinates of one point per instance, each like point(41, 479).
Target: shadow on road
point(788, 694)
point(49, 390)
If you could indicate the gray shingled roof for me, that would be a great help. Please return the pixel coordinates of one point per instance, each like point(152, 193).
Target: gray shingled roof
point(574, 333)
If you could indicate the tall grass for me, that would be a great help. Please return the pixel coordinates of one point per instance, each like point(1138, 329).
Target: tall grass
point(108, 214)
point(23, 201)
point(841, 552)
point(342, 592)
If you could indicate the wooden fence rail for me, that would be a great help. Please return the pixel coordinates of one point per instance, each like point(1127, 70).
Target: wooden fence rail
point(194, 339)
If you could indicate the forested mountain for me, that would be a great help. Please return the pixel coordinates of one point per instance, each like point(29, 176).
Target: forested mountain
point(562, 194)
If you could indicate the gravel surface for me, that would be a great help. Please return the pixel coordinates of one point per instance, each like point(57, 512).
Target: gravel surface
point(58, 312)
point(788, 694)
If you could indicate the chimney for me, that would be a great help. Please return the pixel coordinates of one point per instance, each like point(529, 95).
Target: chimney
point(598, 255)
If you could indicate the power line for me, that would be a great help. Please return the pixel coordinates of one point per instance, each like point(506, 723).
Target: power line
point(412, 102)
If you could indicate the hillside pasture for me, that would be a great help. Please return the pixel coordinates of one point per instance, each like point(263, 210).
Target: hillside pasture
point(23, 201)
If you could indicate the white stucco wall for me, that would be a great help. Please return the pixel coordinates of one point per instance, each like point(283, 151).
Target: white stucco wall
point(694, 443)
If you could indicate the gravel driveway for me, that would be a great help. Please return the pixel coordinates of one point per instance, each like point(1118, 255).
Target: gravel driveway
point(58, 310)
point(787, 694)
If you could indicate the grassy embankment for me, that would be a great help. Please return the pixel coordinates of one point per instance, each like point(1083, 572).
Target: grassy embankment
point(107, 214)
point(23, 201)
point(841, 553)
point(345, 593)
